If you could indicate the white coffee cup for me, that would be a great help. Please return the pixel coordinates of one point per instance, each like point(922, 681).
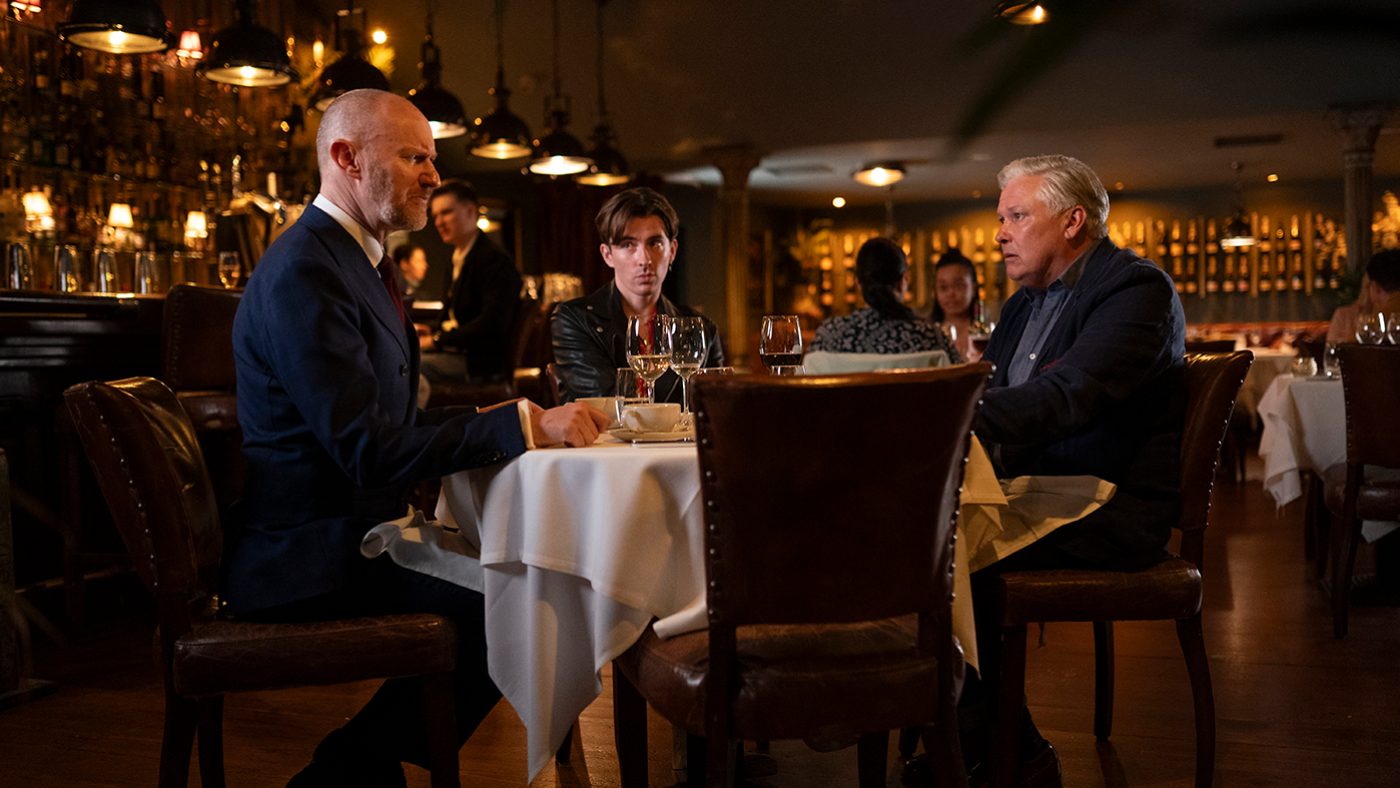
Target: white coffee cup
point(651, 417)
point(608, 405)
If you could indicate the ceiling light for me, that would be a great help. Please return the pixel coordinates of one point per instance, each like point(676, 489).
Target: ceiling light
point(1273, 177)
point(609, 166)
point(501, 134)
point(442, 109)
point(838, 202)
point(379, 36)
point(118, 26)
point(558, 152)
point(352, 71)
point(1237, 232)
point(1020, 12)
point(247, 54)
point(881, 173)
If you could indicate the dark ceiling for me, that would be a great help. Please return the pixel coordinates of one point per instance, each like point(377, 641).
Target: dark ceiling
point(1141, 90)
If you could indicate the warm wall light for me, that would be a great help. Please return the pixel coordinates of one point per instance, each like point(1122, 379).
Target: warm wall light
point(196, 225)
point(120, 215)
point(838, 202)
point(26, 6)
point(1020, 12)
point(190, 46)
point(881, 173)
point(36, 204)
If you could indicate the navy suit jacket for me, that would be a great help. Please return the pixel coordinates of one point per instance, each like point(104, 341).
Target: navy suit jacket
point(1106, 398)
point(332, 435)
point(483, 300)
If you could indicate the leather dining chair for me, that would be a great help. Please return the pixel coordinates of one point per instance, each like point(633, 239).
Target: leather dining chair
point(1169, 590)
point(829, 528)
point(143, 451)
point(1370, 380)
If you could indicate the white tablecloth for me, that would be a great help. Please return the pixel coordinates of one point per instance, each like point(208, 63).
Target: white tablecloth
point(1268, 365)
point(580, 548)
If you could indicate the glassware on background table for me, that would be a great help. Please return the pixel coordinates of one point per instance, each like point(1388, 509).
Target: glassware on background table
point(147, 280)
point(229, 269)
point(713, 371)
point(1392, 328)
point(65, 270)
point(104, 271)
point(688, 347)
point(979, 335)
point(19, 268)
point(1331, 367)
point(780, 344)
point(649, 348)
point(1372, 330)
point(1304, 366)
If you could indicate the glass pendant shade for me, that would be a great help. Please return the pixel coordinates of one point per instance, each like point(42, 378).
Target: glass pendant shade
point(609, 166)
point(559, 152)
point(351, 72)
point(118, 26)
point(247, 54)
point(501, 134)
point(442, 109)
point(1237, 232)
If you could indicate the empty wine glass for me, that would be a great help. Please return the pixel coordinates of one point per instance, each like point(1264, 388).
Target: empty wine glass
point(147, 279)
point(1372, 330)
point(104, 270)
point(649, 348)
point(1392, 328)
point(65, 269)
point(19, 271)
point(780, 344)
point(688, 347)
point(229, 269)
point(1331, 365)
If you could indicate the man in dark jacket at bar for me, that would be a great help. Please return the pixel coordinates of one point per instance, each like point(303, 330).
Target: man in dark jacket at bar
point(327, 389)
point(638, 228)
point(1089, 381)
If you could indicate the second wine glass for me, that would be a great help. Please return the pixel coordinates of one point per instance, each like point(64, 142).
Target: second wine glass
point(649, 348)
point(780, 344)
point(688, 348)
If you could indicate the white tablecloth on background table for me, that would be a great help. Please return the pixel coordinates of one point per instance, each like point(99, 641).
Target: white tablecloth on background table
point(580, 548)
point(1268, 365)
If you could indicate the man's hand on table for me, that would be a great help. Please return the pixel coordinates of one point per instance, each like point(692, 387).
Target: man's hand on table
point(574, 424)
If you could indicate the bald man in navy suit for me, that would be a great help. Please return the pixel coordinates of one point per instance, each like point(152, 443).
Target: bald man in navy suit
point(333, 438)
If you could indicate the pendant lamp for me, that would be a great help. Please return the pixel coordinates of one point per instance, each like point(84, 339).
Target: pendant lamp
point(880, 173)
point(501, 134)
point(558, 152)
point(118, 26)
point(442, 109)
point(1020, 12)
point(609, 166)
point(247, 54)
point(1237, 232)
point(351, 72)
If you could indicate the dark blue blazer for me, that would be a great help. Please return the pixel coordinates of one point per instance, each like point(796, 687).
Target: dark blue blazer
point(1106, 398)
point(332, 435)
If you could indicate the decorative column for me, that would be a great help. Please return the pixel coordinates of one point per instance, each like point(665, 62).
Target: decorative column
point(735, 162)
point(1359, 125)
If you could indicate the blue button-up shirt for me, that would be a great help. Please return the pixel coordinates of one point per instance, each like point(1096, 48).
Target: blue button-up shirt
point(1045, 311)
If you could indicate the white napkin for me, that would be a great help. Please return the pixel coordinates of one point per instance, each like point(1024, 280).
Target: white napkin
point(414, 542)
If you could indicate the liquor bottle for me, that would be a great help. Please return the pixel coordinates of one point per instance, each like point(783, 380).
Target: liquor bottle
point(1191, 249)
point(1265, 248)
point(158, 107)
point(41, 78)
point(1295, 251)
point(1242, 269)
point(1213, 269)
point(1280, 260)
point(70, 76)
point(140, 105)
point(1163, 253)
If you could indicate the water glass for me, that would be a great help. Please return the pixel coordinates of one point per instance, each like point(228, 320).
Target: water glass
point(19, 269)
point(1392, 328)
point(688, 347)
point(147, 280)
point(631, 388)
point(780, 344)
point(1304, 366)
point(230, 268)
point(1372, 330)
point(104, 271)
point(1331, 365)
point(649, 348)
point(65, 270)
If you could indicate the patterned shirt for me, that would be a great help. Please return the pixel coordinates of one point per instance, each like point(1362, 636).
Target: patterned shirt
point(868, 331)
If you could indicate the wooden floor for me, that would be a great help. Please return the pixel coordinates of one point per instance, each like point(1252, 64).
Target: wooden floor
point(1296, 707)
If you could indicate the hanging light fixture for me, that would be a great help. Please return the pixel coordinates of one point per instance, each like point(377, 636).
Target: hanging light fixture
point(501, 134)
point(119, 26)
point(190, 47)
point(609, 166)
point(352, 71)
point(880, 173)
point(1020, 12)
point(442, 109)
point(558, 152)
point(247, 54)
point(1237, 232)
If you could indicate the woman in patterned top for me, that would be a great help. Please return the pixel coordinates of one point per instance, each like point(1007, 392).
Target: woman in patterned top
point(886, 325)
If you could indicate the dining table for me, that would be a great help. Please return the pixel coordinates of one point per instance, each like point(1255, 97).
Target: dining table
point(578, 550)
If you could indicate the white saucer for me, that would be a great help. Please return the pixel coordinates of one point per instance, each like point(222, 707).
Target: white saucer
point(652, 437)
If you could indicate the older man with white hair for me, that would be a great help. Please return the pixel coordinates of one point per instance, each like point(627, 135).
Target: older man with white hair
point(327, 378)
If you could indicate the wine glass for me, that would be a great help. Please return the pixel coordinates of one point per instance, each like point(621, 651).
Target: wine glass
point(1392, 328)
point(19, 271)
point(104, 270)
point(688, 347)
point(147, 279)
point(780, 344)
point(1372, 330)
point(649, 348)
point(1331, 366)
point(65, 269)
point(229, 269)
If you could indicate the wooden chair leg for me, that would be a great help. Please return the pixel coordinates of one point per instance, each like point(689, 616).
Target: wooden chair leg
point(441, 717)
point(872, 751)
point(722, 759)
point(1193, 647)
point(908, 742)
point(211, 742)
point(1313, 503)
point(177, 741)
point(1103, 679)
point(565, 751)
point(1344, 539)
point(1011, 691)
point(629, 731)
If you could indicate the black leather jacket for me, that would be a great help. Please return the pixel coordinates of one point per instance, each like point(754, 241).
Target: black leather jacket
point(590, 344)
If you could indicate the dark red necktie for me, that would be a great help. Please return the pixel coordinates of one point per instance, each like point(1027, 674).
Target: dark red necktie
point(386, 275)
